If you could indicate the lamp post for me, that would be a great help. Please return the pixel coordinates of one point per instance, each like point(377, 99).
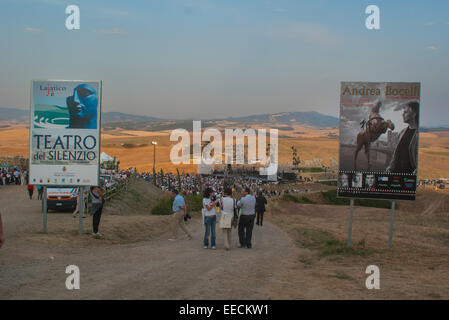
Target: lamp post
point(154, 143)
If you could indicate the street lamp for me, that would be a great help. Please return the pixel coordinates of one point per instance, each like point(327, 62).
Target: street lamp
point(154, 143)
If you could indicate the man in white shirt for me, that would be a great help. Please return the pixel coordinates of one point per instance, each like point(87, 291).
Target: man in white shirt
point(247, 204)
point(227, 214)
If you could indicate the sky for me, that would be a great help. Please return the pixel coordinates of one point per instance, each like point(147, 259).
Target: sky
point(203, 59)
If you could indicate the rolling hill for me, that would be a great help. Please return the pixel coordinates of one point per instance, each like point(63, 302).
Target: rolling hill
point(312, 118)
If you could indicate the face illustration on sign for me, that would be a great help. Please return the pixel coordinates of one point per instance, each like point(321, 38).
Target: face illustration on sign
point(344, 180)
point(83, 107)
point(369, 181)
point(357, 180)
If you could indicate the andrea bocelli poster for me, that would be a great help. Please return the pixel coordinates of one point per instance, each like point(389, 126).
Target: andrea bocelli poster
point(379, 124)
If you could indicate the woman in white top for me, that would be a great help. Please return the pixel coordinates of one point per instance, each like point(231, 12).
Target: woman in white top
point(227, 214)
point(209, 217)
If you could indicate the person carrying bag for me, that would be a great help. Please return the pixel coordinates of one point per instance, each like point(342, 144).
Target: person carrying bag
point(227, 216)
point(97, 208)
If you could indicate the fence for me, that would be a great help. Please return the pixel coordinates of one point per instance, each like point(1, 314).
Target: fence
point(111, 192)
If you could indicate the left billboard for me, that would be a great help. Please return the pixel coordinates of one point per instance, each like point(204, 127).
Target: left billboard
point(65, 120)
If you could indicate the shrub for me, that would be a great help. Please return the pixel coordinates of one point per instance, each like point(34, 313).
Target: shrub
point(163, 207)
point(328, 245)
point(291, 198)
point(307, 200)
point(329, 183)
point(194, 202)
point(315, 169)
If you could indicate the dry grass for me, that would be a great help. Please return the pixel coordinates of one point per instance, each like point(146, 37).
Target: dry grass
point(310, 142)
point(415, 268)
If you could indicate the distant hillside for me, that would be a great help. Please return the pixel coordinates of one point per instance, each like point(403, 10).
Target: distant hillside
point(118, 116)
point(434, 129)
point(22, 115)
point(13, 114)
point(134, 122)
point(311, 118)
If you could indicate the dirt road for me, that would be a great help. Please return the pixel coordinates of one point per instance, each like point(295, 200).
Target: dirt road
point(297, 256)
point(157, 269)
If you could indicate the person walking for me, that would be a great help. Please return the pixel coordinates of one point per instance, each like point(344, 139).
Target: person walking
point(40, 192)
point(228, 207)
point(247, 205)
point(261, 201)
point(97, 208)
point(30, 189)
point(179, 208)
point(209, 217)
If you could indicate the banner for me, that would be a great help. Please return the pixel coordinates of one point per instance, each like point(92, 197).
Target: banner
point(65, 132)
point(379, 140)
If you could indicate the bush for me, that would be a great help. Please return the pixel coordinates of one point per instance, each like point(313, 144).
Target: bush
point(328, 245)
point(307, 200)
point(194, 202)
point(316, 169)
point(291, 198)
point(329, 183)
point(163, 207)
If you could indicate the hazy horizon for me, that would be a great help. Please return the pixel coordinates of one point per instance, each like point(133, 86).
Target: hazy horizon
point(203, 59)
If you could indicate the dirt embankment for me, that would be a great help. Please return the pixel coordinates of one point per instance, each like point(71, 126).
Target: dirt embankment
point(415, 268)
point(126, 218)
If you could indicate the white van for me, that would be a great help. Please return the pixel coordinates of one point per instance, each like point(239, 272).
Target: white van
point(62, 198)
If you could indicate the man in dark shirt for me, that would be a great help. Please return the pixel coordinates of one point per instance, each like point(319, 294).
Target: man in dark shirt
point(261, 201)
point(404, 157)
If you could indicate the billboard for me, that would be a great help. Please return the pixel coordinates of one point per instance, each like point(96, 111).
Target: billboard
point(378, 149)
point(65, 132)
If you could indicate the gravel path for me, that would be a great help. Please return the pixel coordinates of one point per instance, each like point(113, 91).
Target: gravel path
point(156, 269)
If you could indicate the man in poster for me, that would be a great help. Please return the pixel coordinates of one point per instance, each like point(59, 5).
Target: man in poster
point(404, 157)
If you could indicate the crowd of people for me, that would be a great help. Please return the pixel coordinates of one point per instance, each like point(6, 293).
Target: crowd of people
point(13, 175)
point(220, 204)
point(229, 213)
point(194, 184)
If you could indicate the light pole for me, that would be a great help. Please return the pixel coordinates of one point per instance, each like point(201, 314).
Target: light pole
point(154, 143)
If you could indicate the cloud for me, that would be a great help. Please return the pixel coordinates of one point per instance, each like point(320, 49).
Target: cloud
point(28, 29)
point(279, 10)
point(112, 31)
point(433, 48)
point(430, 23)
point(305, 32)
